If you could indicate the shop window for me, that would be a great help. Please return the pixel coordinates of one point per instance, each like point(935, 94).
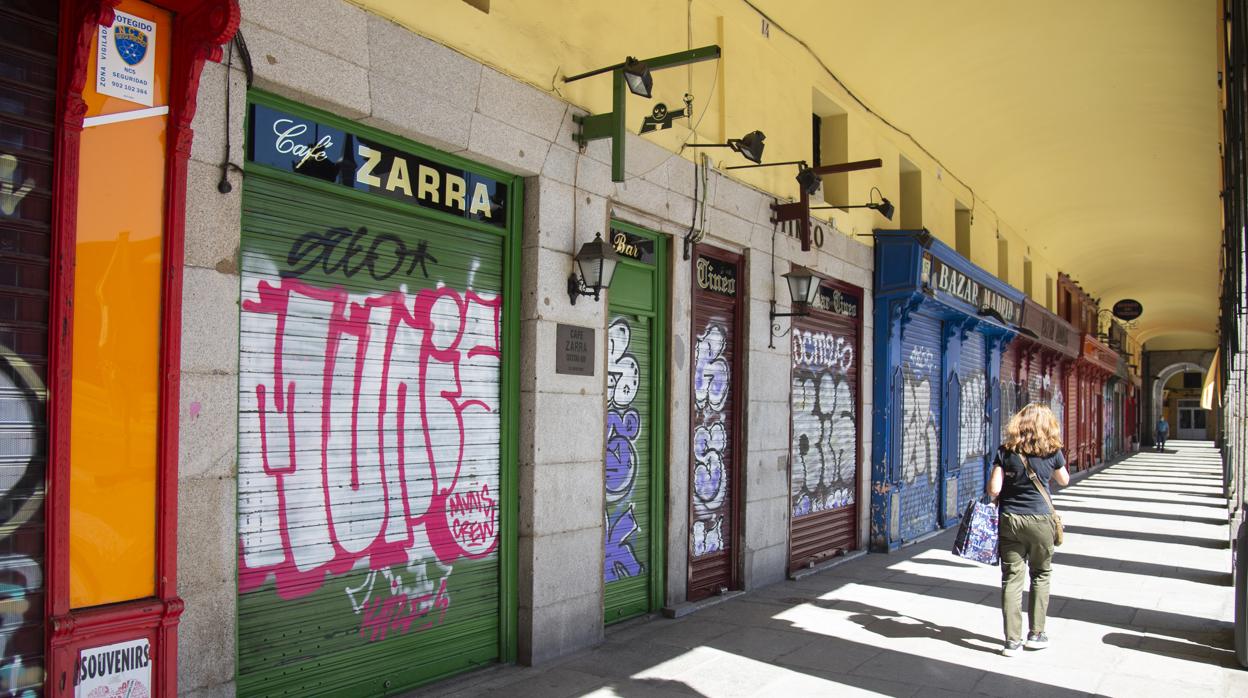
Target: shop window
point(962, 228)
point(911, 195)
point(1027, 287)
point(830, 144)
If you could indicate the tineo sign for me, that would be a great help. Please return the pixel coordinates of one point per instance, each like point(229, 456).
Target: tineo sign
point(717, 277)
point(945, 278)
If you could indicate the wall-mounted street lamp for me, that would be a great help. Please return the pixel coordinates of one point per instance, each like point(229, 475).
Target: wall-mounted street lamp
point(750, 146)
point(803, 286)
point(799, 211)
point(884, 207)
point(596, 261)
point(636, 77)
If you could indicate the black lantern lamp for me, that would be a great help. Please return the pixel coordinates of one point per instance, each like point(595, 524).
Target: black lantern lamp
point(750, 146)
point(803, 290)
point(596, 262)
point(884, 207)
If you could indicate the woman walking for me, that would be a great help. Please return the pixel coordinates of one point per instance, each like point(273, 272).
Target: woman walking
point(1030, 456)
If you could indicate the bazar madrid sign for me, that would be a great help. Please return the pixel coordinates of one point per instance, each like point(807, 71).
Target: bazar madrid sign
point(303, 146)
point(943, 277)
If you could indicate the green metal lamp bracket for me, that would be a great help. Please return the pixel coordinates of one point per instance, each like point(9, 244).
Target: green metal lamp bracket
point(611, 124)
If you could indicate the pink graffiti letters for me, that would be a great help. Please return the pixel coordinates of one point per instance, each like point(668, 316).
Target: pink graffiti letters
point(368, 430)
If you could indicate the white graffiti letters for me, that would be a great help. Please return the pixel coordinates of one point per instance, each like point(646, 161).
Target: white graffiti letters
point(711, 383)
point(973, 419)
point(825, 436)
point(368, 431)
point(920, 438)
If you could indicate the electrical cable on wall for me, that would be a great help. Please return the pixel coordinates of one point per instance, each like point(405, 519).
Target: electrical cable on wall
point(864, 106)
point(224, 185)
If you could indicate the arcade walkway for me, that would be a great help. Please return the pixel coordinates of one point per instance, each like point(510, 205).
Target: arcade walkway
point(1142, 607)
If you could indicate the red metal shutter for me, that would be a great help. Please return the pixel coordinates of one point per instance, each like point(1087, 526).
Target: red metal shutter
point(716, 422)
point(824, 460)
point(28, 42)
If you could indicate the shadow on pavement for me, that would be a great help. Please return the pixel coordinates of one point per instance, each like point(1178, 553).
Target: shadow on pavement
point(1152, 500)
point(1147, 569)
point(891, 624)
point(1170, 648)
point(1214, 521)
point(1193, 541)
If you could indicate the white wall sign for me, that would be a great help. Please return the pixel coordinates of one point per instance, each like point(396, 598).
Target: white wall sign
point(127, 54)
point(121, 670)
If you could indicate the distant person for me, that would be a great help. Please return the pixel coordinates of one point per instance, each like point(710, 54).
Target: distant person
point(1032, 442)
point(1163, 433)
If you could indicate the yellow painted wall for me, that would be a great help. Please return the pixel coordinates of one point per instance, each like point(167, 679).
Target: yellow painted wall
point(763, 82)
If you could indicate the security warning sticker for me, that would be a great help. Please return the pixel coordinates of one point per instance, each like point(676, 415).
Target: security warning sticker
point(121, 670)
point(127, 54)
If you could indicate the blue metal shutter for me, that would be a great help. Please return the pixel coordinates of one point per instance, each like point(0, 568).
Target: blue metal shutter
point(919, 438)
point(973, 425)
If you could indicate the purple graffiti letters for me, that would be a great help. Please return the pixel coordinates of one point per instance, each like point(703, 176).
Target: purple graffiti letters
point(624, 428)
point(711, 385)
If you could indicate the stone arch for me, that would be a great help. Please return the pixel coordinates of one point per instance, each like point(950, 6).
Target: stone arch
point(1159, 383)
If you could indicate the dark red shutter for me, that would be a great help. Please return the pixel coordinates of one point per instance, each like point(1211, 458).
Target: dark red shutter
point(714, 476)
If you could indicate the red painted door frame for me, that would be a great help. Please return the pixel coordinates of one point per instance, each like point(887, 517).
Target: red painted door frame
point(201, 27)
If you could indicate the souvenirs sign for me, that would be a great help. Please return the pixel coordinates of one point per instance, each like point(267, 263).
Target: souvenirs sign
point(300, 145)
point(946, 279)
point(123, 669)
point(125, 58)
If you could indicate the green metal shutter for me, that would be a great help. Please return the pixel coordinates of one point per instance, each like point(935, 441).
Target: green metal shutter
point(634, 465)
point(369, 445)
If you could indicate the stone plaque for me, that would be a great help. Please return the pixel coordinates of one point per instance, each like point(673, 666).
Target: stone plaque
point(574, 354)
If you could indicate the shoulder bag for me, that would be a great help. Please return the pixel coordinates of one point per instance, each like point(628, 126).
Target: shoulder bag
point(1058, 533)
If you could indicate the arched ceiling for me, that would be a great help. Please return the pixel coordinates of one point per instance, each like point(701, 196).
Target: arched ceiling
point(1090, 127)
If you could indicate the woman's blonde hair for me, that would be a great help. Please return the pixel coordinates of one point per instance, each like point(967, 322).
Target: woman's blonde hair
point(1033, 431)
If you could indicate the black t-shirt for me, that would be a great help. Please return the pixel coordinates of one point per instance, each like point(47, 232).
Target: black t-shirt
point(1018, 495)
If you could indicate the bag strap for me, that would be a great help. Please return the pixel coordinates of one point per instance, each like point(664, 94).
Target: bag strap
point(1036, 481)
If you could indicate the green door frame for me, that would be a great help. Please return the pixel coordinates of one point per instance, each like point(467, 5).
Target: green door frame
point(659, 338)
point(509, 398)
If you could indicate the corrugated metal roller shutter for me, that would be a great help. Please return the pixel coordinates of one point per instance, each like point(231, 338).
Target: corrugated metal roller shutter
point(823, 453)
point(369, 445)
point(716, 423)
point(973, 423)
point(1009, 394)
point(1057, 395)
point(922, 395)
point(28, 41)
point(1073, 401)
point(627, 560)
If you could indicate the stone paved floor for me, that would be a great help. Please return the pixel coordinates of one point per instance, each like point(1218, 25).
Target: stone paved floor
point(1141, 606)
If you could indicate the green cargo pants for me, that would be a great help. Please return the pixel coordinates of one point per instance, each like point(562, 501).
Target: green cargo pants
point(1026, 541)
